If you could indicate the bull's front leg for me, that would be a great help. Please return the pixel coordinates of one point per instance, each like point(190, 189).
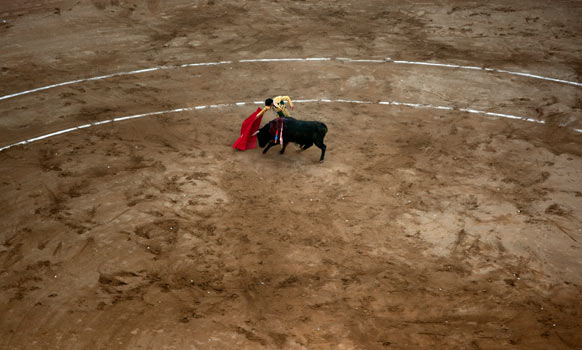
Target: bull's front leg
point(284, 146)
point(271, 144)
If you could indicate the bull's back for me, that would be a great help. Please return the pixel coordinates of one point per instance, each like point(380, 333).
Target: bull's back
point(301, 129)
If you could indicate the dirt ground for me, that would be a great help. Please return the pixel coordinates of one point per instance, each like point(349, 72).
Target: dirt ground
point(423, 228)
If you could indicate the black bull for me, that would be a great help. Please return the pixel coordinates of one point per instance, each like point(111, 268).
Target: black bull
point(303, 133)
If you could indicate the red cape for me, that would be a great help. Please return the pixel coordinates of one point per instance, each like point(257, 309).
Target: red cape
point(249, 126)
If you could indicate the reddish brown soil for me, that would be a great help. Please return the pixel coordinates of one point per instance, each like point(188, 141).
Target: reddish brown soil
point(423, 228)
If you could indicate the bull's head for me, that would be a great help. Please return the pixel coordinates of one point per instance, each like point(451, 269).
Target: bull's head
point(263, 136)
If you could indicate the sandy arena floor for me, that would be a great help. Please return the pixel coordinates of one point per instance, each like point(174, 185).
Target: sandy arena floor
point(441, 218)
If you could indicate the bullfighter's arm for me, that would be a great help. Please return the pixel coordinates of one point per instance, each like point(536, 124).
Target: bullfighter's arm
point(288, 99)
point(262, 111)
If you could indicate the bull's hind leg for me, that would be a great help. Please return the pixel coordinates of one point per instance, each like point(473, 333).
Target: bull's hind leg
point(321, 146)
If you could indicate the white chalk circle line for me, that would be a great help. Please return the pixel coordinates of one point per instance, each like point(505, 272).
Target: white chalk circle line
point(309, 59)
point(238, 104)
